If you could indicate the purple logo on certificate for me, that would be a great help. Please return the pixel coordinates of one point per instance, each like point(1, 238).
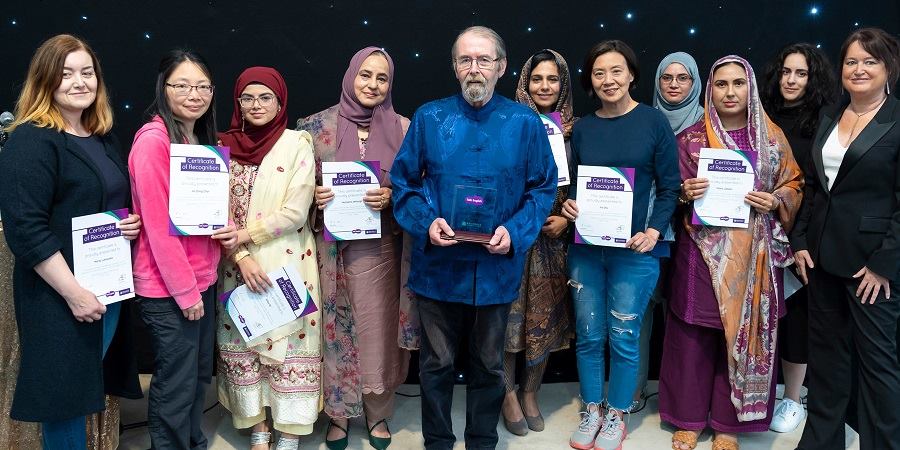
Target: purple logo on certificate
point(474, 200)
point(199, 165)
point(101, 232)
point(350, 178)
point(727, 165)
point(605, 184)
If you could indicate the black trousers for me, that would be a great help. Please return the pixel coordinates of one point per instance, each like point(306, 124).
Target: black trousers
point(841, 329)
point(443, 324)
point(183, 362)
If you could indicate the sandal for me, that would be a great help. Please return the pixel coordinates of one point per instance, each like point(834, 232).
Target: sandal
point(339, 443)
point(725, 444)
point(688, 438)
point(260, 438)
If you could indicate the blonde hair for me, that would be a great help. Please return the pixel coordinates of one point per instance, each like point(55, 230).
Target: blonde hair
point(36, 105)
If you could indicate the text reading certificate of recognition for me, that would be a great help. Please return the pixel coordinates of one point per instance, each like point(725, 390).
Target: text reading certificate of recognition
point(553, 125)
point(198, 189)
point(731, 176)
point(257, 314)
point(605, 196)
point(346, 216)
point(102, 256)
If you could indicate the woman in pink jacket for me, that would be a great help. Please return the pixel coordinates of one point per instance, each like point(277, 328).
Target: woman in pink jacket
point(174, 276)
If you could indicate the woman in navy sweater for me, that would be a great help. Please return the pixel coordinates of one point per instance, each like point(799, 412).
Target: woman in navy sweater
point(611, 286)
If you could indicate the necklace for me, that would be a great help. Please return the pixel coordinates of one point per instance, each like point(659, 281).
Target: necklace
point(859, 116)
point(363, 146)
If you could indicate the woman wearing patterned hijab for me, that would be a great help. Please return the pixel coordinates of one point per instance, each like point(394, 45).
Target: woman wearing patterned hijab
point(368, 318)
point(718, 366)
point(539, 321)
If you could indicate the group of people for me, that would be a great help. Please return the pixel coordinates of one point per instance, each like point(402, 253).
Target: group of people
point(825, 206)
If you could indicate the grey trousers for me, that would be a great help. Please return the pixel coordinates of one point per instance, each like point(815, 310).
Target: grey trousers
point(182, 371)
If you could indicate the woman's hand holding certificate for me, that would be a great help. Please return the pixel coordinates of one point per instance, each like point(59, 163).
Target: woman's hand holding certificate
point(352, 198)
point(605, 201)
point(726, 202)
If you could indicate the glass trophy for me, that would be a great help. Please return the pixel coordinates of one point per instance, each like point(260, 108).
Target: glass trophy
point(472, 215)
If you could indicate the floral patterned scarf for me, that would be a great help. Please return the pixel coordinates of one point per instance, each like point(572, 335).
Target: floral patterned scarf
point(743, 262)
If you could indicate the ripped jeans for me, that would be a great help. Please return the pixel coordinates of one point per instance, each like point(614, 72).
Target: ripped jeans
point(610, 289)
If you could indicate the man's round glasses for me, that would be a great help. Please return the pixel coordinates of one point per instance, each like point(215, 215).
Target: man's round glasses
point(264, 100)
point(183, 89)
point(484, 62)
point(681, 79)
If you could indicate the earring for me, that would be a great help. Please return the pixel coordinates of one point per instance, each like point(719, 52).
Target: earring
point(242, 124)
point(887, 88)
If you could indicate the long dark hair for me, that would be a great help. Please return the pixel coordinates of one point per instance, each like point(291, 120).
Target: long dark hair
point(205, 126)
point(821, 85)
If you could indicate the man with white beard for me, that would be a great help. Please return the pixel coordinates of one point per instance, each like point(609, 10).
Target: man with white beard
point(472, 164)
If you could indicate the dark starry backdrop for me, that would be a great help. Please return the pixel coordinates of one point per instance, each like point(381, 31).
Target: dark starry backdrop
point(311, 42)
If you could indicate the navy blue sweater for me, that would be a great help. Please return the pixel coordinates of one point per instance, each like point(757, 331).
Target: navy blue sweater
point(642, 139)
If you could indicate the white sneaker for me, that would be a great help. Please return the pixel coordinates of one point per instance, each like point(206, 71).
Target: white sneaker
point(788, 415)
point(583, 438)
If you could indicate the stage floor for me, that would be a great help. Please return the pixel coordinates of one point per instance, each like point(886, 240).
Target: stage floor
point(559, 403)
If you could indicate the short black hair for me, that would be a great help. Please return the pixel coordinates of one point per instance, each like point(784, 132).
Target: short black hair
point(611, 45)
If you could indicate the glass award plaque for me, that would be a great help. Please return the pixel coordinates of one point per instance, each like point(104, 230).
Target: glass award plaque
point(472, 214)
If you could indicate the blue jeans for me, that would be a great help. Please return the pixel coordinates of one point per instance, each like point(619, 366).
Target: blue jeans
point(70, 434)
point(611, 288)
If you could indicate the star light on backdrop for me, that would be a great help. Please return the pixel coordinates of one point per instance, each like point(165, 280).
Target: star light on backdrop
point(813, 12)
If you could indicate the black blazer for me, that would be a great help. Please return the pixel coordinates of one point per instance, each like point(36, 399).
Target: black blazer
point(857, 222)
point(47, 180)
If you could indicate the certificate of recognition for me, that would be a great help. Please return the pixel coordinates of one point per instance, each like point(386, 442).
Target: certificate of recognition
point(731, 176)
point(198, 189)
point(553, 125)
point(102, 256)
point(257, 314)
point(347, 217)
point(605, 200)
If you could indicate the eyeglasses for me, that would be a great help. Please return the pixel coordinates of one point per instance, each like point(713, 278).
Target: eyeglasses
point(183, 89)
point(484, 62)
point(681, 79)
point(264, 100)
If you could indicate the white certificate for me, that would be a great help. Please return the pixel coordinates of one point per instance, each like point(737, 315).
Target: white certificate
point(256, 314)
point(605, 200)
point(346, 216)
point(198, 189)
point(552, 123)
point(731, 176)
point(102, 256)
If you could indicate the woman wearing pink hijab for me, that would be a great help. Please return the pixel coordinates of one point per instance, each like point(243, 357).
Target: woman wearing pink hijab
point(368, 321)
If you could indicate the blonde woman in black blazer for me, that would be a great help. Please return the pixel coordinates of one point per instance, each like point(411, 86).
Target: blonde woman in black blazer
point(847, 244)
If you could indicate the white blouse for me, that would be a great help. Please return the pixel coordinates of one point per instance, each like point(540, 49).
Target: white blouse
point(832, 156)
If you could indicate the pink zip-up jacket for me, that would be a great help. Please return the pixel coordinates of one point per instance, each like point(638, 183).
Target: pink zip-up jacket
point(164, 266)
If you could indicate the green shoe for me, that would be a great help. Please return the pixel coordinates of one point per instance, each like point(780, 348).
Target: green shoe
point(338, 444)
point(379, 443)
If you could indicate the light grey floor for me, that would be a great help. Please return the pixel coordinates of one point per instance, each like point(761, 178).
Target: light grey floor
point(559, 403)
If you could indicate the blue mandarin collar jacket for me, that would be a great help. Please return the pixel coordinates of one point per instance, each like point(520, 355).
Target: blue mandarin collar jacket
point(502, 145)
